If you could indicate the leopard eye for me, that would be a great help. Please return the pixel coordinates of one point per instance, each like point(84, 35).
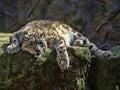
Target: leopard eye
point(42, 45)
point(31, 44)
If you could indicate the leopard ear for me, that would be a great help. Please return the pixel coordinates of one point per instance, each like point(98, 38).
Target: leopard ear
point(42, 35)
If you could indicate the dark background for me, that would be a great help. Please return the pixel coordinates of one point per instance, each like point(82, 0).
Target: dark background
point(84, 16)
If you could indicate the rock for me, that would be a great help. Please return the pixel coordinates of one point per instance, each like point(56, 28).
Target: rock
point(23, 72)
point(105, 74)
point(84, 15)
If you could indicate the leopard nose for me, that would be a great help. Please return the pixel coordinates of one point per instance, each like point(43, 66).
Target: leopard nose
point(38, 51)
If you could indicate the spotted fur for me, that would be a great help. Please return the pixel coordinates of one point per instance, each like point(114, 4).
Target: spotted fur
point(37, 35)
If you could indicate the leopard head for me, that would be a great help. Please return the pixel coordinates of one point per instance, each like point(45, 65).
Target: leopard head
point(34, 44)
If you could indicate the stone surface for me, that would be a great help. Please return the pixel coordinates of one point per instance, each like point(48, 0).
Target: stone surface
point(23, 72)
point(105, 74)
point(84, 15)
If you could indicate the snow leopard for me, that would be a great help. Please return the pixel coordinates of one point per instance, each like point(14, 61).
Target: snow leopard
point(38, 35)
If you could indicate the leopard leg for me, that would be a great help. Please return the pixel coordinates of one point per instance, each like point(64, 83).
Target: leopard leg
point(62, 55)
point(83, 41)
point(14, 45)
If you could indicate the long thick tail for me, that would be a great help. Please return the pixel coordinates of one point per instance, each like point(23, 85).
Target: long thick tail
point(83, 41)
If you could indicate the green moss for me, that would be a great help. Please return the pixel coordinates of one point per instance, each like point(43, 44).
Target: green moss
point(116, 51)
point(17, 69)
point(4, 37)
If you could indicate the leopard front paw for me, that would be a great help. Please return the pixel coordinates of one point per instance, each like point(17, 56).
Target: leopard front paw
point(12, 48)
point(63, 63)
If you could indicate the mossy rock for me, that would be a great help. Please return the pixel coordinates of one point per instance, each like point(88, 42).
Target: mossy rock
point(105, 74)
point(22, 71)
